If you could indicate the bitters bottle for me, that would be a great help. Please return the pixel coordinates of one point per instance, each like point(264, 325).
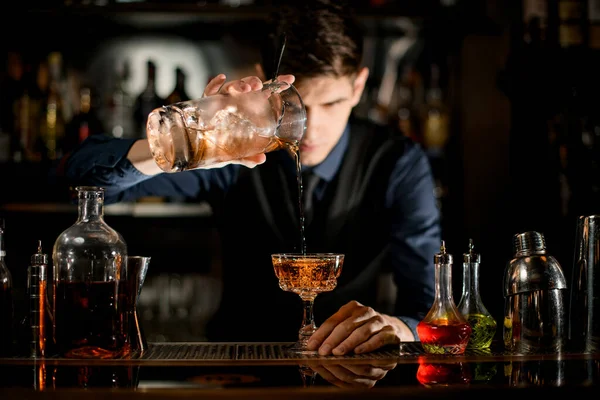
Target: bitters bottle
point(444, 330)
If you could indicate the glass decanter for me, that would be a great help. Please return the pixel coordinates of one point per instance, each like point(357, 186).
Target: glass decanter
point(444, 330)
point(483, 325)
point(89, 284)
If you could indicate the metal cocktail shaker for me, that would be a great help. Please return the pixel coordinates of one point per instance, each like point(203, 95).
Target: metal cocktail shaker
point(535, 291)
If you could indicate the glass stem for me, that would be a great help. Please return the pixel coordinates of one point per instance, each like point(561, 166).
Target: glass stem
point(308, 319)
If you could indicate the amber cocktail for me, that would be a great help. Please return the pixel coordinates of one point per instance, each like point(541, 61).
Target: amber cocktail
point(307, 275)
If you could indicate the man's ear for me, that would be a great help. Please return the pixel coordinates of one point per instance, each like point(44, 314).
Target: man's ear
point(359, 85)
point(259, 71)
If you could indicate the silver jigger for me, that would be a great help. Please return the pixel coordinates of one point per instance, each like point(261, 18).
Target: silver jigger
point(137, 267)
point(584, 306)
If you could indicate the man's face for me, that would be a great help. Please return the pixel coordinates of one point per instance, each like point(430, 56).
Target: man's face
point(329, 101)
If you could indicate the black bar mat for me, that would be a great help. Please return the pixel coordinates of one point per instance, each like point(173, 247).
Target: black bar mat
point(256, 351)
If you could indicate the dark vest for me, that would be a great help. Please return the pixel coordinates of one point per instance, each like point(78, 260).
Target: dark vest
point(260, 216)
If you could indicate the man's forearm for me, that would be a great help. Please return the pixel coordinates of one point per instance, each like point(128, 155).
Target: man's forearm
point(141, 158)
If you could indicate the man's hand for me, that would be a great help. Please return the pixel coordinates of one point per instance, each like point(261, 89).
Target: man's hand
point(354, 376)
point(359, 329)
point(219, 85)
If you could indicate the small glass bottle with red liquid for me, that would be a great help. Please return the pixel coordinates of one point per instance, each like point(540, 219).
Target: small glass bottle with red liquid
point(444, 330)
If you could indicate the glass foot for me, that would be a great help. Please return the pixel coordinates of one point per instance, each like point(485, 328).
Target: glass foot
point(300, 348)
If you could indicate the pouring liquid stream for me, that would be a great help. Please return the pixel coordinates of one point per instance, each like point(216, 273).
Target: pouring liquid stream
point(293, 148)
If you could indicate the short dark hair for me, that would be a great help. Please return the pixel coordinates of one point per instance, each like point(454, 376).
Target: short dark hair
point(322, 38)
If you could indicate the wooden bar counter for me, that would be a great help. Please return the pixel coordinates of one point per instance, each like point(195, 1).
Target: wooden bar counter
point(267, 371)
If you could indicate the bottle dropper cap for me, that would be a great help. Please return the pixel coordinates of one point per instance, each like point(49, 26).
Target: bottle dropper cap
point(442, 257)
point(39, 257)
point(471, 256)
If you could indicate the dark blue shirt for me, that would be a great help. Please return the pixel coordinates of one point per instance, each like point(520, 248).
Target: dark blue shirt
point(414, 239)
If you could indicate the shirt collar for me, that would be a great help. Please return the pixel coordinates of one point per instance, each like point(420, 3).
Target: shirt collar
point(327, 169)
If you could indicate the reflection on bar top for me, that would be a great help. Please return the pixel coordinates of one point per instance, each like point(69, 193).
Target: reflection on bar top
point(126, 209)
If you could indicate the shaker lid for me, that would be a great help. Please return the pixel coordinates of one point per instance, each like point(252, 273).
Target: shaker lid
point(529, 242)
point(442, 257)
point(39, 257)
point(471, 256)
point(532, 268)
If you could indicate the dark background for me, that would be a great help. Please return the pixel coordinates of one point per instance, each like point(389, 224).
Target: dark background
point(520, 92)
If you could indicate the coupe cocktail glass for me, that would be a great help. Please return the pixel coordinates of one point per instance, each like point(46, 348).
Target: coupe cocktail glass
point(307, 275)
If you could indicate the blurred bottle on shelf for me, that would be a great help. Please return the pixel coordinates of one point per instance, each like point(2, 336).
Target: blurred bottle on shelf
point(11, 88)
point(31, 111)
point(146, 101)
point(52, 118)
point(436, 125)
point(535, 19)
point(571, 25)
point(84, 123)
point(179, 93)
point(24, 146)
point(593, 16)
point(120, 105)
point(407, 96)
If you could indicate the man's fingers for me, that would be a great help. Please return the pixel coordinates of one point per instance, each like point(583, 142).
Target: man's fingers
point(249, 83)
point(361, 331)
point(323, 332)
point(254, 82)
point(214, 85)
point(351, 332)
point(384, 337)
point(332, 323)
point(243, 85)
point(286, 78)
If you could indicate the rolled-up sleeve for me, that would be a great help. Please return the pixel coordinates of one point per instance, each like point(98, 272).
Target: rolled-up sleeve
point(415, 235)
